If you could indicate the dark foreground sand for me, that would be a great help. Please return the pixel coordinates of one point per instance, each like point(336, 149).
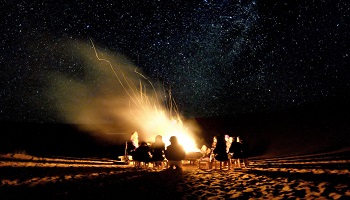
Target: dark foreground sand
point(35, 178)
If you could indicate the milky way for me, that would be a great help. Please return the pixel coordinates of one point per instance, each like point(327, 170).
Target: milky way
point(218, 57)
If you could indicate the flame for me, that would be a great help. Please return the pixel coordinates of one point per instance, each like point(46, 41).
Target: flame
point(154, 111)
point(167, 127)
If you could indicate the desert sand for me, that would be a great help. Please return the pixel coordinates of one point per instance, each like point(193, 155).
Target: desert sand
point(29, 177)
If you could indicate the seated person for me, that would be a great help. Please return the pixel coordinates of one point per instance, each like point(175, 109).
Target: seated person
point(131, 145)
point(213, 145)
point(236, 152)
point(142, 153)
point(205, 151)
point(244, 152)
point(157, 150)
point(175, 153)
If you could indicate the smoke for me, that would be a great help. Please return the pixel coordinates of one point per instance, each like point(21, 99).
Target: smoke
point(112, 95)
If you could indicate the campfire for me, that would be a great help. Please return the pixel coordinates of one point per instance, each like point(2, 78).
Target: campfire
point(151, 109)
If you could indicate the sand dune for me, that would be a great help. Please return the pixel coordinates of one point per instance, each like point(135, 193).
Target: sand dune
point(74, 178)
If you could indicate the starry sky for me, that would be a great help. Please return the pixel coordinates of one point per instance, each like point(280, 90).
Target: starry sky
point(219, 57)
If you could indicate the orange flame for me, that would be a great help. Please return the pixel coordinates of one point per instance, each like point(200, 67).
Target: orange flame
point(151, 116)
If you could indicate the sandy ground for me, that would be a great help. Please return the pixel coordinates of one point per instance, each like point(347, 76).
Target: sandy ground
point(28, 177)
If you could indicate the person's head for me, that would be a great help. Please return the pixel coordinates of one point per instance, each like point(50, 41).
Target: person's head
point(173, 140)
point(159, 138)
point(215, 139)
point(227, 137)
point(221, 139)
point(204, 147)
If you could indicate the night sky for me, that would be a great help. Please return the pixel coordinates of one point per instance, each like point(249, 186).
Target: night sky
point(219, 57)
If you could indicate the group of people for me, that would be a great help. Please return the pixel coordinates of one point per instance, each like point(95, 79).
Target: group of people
point(226, 148)
point(223, 148)
point(155, 152)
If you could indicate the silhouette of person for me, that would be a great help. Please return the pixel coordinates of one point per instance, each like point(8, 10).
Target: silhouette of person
point(236, 151)
point(158, 150)
point(229, 140)
point(220, 149)
point(226, 137)
point(244, 151)
point(228, 143)
point(175, 153)
point(205, 151)
point(142, 153)
point(213, 145)
point(132, 144)
point(215, 141)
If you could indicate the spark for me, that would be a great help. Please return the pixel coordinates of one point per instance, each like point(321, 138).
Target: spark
point(149, 110)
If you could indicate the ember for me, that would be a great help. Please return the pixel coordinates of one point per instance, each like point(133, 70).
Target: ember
point(147, 110)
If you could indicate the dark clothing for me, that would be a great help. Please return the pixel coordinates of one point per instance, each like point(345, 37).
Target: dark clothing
point(220, 150)
point(175, 152)
point(244, 150)
point(130, 148)
point(221, 154)
point(142, 154)
point(157, 151)
point(236, 150)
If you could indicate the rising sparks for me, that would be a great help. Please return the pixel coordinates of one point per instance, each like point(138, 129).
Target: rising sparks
point(156, 112)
